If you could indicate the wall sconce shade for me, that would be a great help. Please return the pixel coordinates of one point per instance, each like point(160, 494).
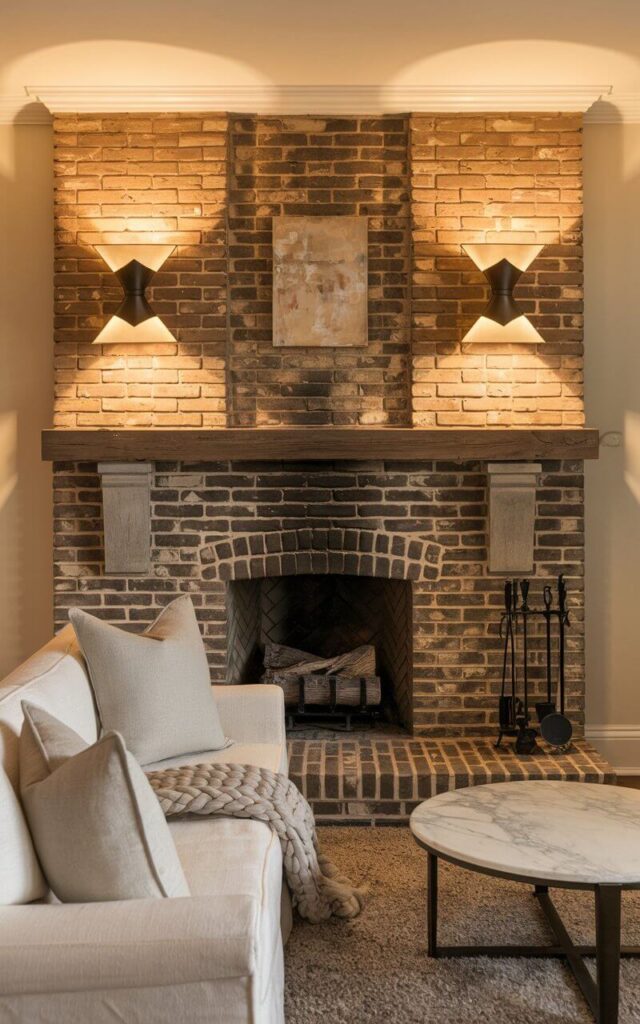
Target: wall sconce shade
point(502, 320)
point(134, 322)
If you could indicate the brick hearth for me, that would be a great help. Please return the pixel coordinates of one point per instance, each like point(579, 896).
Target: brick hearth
point(381, 780)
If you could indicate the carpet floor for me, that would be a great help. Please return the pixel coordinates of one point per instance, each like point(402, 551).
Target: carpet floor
point(375, 968)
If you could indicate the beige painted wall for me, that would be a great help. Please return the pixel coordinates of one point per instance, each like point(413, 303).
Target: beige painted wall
point(612, 342)
point(26, 386)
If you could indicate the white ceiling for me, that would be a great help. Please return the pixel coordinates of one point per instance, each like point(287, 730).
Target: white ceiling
point(392, 46)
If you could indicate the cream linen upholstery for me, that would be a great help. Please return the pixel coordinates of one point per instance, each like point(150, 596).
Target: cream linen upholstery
point(154, 687)
point(213, 958)
point(267, 755)
point(20, 876)
point(187, 961)
point(54, 676)
point(98, 829)
point(253, 712)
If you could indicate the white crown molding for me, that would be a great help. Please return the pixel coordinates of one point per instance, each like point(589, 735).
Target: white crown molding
point(600, 103)
point(19, 108)
point(317, 99)
point(616, 108)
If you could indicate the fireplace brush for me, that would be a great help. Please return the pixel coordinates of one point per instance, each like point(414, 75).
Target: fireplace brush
point(514, 709)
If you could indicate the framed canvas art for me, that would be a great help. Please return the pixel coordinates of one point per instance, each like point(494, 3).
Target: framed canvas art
point(320, 282)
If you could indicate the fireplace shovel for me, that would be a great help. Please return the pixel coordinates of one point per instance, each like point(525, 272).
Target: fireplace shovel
point(555, 727)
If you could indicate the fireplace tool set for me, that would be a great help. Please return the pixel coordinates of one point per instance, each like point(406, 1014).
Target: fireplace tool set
point(514, 706)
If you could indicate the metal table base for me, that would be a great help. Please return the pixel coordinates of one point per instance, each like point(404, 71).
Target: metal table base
point(602, 996)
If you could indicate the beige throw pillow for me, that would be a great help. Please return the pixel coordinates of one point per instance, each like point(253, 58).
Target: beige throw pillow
point(97, 826)
point(153, 688)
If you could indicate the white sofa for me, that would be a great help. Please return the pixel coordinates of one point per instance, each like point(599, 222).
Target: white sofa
point(216, 957)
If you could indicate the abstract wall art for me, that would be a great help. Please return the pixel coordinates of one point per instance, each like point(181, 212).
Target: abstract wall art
point(320, 281)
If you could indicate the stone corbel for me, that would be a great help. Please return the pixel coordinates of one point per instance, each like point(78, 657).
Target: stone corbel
point(126, 504)
point(512, 510)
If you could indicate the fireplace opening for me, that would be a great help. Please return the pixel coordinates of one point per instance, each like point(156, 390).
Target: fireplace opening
point(327, 616)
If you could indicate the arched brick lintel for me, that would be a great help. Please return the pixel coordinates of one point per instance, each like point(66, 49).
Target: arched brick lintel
point(308, 551)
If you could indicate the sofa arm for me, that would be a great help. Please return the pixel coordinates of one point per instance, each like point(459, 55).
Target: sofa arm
point(252, 713)
point(130, 944)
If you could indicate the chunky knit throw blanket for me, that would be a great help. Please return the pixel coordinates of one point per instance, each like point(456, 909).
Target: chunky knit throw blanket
point(243, 791)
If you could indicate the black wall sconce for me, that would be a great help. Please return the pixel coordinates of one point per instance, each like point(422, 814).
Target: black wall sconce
point(502, 320)
point(134, 322)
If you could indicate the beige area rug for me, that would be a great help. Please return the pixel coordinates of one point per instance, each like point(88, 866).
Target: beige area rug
point(375, 968)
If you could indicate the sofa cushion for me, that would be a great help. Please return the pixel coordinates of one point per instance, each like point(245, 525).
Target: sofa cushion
point(97, 825)
point(262, 755)
point(54, 678)
point(21, 879)
point(153, 688)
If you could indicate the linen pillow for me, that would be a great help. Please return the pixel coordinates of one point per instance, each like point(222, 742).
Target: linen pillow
point(153, 688)
point(97, 826)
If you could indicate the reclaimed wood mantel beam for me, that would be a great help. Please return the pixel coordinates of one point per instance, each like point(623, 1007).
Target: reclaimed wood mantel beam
point(326, 444)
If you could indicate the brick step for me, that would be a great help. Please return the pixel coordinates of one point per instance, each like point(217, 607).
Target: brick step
point(380, 780)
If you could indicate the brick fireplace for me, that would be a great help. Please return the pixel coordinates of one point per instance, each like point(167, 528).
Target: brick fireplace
point(426, 524)
point(225, 528)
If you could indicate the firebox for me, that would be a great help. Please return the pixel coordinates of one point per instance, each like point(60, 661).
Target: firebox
point(327, 616)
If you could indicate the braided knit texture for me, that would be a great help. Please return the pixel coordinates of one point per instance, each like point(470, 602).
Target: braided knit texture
point(244, 791)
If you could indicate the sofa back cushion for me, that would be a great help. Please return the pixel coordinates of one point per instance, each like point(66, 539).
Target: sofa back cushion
point(55, 678)
point(21, 879)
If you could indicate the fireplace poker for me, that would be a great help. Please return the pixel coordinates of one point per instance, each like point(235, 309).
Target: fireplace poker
point(513, 625)
point(506, 707)
point(526, 736)
point(546, 597)
point(564, 621)
point(524, 608)
point(544, 708)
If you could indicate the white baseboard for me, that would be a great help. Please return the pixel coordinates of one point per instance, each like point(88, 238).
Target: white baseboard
point(620, 744)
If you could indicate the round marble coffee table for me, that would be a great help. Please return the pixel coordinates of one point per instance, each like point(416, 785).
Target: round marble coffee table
point(549, 834)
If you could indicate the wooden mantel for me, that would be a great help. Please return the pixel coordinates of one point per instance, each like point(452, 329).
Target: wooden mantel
point(327, 444)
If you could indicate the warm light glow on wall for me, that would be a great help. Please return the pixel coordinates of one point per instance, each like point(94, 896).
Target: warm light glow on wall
point(134, 322)
point(502, 321)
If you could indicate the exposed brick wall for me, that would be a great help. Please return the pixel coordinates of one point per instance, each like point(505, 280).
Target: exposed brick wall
point(475, 178)
point(167, 177)
point(143, 177)
point(212, 522)
point(319, 166)
point(212, 184)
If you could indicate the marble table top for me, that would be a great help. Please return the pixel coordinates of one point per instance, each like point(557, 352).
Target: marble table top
point(559, 831)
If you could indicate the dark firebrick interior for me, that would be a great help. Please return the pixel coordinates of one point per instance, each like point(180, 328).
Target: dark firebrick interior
point(325, 615)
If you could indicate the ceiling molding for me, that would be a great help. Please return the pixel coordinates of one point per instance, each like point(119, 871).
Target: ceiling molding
point(616, 108)
point(317, 99)
point(22, 109)
point(601, 104)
